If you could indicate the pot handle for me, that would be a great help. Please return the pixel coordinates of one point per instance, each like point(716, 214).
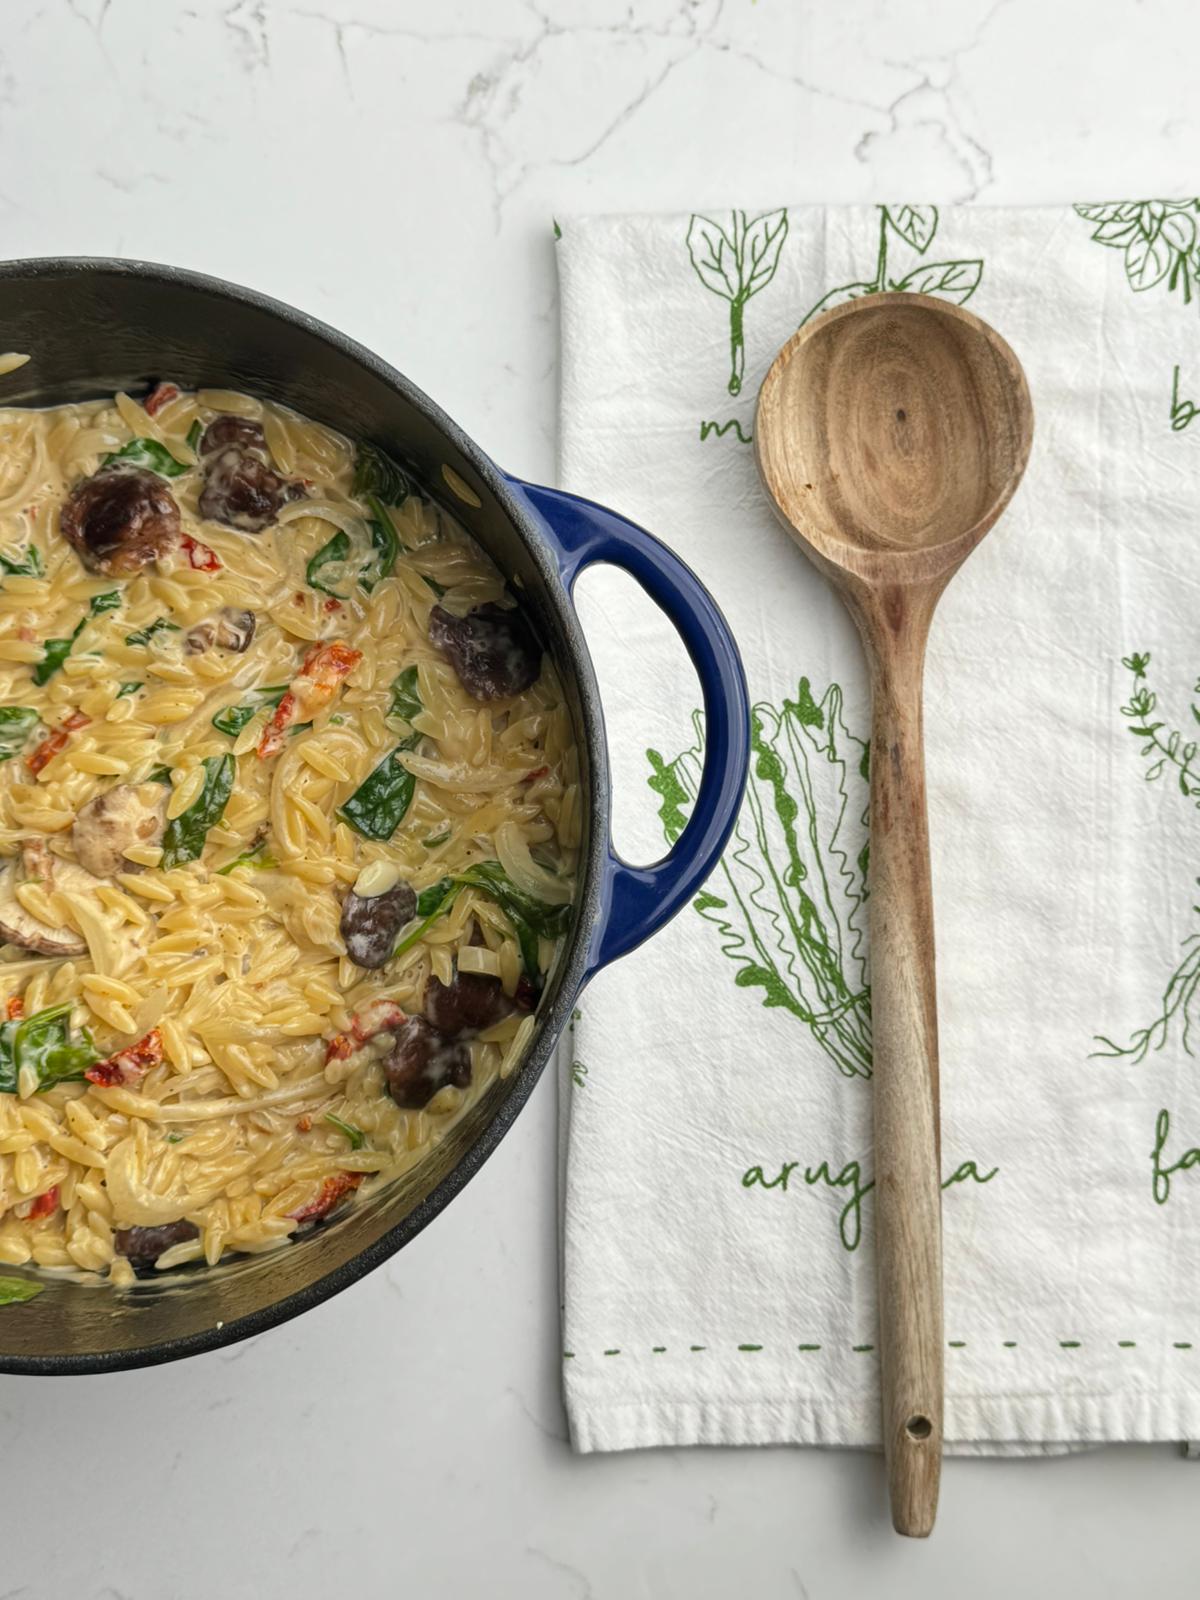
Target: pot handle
point(636, 901)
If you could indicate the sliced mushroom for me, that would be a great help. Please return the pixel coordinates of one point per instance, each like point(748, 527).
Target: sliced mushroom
point(143, 1246)
point(241, 489)
point(200, 638)
point(130, 814)
point(120, 519)
point(22, 928)
point(235, 629)
point(230, 432)
point(423, 1060)
point(231, 629)
point(370, 923)
point(493, 650)
point(470, 1001)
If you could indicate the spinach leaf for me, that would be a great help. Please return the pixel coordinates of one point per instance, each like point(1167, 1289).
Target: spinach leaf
point(30, 567)
point(377, 474)
point(185, 834)
point(127, 688)
point(257, 857)
point(144, 635)
point(16, 724)
point(44, 1042)
point(439, 589)
point(355, 1135)
point(378, 806)
point(194, 433)
point(15, 1290)
point(406, 702)
point(159, 775)
point(431, 904)
point(335, 552)
point(531, 918)
point(384, 543)
point(148, 454)
point(234, 718)
point(56, 652)
point(437, 896)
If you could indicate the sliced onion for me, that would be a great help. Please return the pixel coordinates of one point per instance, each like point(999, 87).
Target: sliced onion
point(147, 1198)
point(478, 958)
point(326, 511)
point(514, 857)
point(461, 777)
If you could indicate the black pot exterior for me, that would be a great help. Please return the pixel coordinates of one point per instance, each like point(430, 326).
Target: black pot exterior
point(96, 326)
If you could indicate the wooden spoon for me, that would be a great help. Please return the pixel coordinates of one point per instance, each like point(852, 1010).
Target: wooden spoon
point(891, 433)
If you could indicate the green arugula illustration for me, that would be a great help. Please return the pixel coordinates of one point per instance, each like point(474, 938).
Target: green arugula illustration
point(914, 226)
point(1169, 755)
point(736, 263)
point(787, 899)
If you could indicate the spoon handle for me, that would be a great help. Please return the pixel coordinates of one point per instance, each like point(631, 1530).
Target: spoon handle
point(904, 1033)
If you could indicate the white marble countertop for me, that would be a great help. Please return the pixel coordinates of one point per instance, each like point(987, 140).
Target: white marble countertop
point(393, 166)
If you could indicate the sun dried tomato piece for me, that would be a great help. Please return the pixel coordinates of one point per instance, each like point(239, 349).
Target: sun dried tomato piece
point(129, 1065)
point(339, 1048)
point(313, 687)
point(201, 557)
point(330, 1192)
point(45, 1205)
point(377, 1017)
point(161, 395)
point(56, 742)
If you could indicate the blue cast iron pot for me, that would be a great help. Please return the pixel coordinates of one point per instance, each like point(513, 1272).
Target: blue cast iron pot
point(95, 326)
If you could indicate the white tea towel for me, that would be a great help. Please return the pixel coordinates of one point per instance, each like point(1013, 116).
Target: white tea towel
point(719, 1283)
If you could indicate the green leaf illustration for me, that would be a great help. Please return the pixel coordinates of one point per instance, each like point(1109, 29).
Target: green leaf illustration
point(713, 256)
point(1179, 230)
point(1110, 211)
point(1158, 239)
point(947, 280)
point(761, 247)
point(787, 899)
point(1147, 260)
point(736, 263)
point(916, 225)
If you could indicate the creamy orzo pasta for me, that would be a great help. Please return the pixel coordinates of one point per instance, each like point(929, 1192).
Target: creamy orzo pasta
point(289, 813)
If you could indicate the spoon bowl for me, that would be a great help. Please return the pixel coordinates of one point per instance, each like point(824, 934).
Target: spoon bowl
point(890, 435)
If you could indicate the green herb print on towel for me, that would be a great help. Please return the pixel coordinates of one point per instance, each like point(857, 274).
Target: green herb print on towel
point(912, 227)
point(787, 899)
point(1168, 756)
point(735, 263)
point(1156, 237)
